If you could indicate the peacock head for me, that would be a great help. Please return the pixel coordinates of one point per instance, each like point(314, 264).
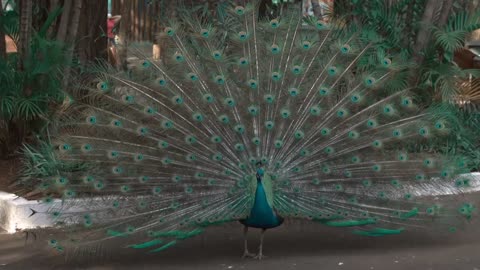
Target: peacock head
point(260, 173)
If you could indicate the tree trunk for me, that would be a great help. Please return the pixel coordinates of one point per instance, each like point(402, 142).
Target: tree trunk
point(92, 29)
point(125, 32)
point(25, 33)
point(424, 34)
point(446, 9)
point(3, 45)
point(62, 29)
point(72, 36)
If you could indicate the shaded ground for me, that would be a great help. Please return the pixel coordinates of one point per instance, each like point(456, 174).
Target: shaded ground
point(307, 246)
point(8, 171)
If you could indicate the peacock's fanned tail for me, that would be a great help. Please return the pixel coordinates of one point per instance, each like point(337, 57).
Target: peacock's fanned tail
point(172, 146)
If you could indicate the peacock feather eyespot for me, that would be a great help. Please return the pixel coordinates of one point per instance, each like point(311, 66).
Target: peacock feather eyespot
point(367, 183)
point(397, 133)
point(323, 91)
point(299, 134)
point(224, 119)
point(239, 147)
point(293, 92)
point(88, 179)
point(253, 84)
point(242, 166)
point(395, 183)
point(276, 76)
point(345, 49)
point(239, 10)
point(329, 150)
point(146, 64)
point(220, 80)
point(424, 131)
point(216, 139)
point(116, 123)
point(92, 120)
point(377, 168)
point(377, 144)
point(143, 179)
point(407, 102)
point(227, 172)
point(372, 123)
point(69, 193)
point(208, 98)
point(179, 57)
point(440, 125)
point(139, 157)
point(99, 185)
point(338, 187)
point(297, 70)
point(264, 161)
point(420, 177)
point(169, 31)
point(386, 62)
point(253, 110)
point(306, 45)
point(117, 170)
point(103, 86)
point(325, 131)
point(230, 102)
point(163, 144)
point(191, 157)
point(278, 144)
point(176, 178)
point(326, 169)
point(332, 71)
point(167, 124)
point(316, 181)
point(86, 148)
point(217, 55)
point(242, 35)
point(402, 157)
point(285, 113)
point(162, 82)
point(269, 99)
point(356, 159)
point(315, 110)
point(355, 98)
point(190, 139)
point(192, 76)
point(166, 161)
point(128, 99)
point(353, 134)
point(369, 81)
point(61, 181)
point(239, 128)
point(274, 23)
point(321, 25)
point(243, 61)
point(275, 49)
point(269, 125)
point(142, 131)
point(65, 147)
point(112, 154)
point(256, 140)
point(149, 110)
point(198, 117)
point(342, 113)
point(388, 110)
point(156, 190)
point(429, 162)
point(188, 190)
point(205, 33)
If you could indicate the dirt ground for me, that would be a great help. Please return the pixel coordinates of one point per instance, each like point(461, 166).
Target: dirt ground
point(299, 247)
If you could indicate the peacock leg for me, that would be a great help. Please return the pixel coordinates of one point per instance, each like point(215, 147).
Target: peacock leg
point(260, 249)
point(246, 254)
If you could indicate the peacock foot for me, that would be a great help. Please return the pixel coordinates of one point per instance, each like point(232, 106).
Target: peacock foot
point(260, 256)
point(246, 254)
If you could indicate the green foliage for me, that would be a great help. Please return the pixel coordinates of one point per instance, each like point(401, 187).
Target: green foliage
point(30, 94)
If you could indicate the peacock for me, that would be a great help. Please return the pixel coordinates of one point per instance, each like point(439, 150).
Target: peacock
point(255, 120)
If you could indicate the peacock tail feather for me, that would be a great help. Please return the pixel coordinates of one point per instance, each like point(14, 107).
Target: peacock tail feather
point(172, 146)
